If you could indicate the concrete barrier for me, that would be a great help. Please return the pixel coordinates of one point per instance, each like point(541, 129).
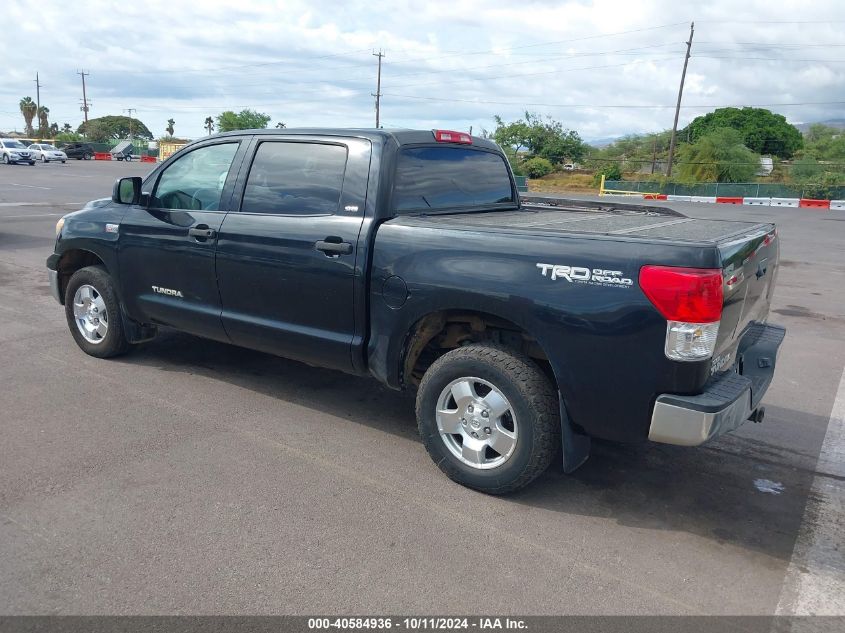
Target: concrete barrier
point(678, 198)
point(757, 201)
point(838, 205)
point(655, 196)
point(729, 199)
point(703, 199)
point(810, 203)
point(784, 202)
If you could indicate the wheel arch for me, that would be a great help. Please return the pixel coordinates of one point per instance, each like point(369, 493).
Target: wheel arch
point(75, 259)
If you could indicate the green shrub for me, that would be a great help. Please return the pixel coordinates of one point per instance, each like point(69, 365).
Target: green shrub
point(537, 167)
point(611, 172)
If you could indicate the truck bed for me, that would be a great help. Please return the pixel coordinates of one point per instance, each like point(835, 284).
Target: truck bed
point(584, 217)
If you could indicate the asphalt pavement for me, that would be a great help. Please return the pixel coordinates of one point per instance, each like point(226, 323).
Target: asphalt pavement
point(195, 477)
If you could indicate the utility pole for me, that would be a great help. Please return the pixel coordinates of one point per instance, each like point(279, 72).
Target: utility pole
point(85, 103)
point(38, 102)
point(130, 111)
point(377, 94)
point(653, 154)
point(678, 107)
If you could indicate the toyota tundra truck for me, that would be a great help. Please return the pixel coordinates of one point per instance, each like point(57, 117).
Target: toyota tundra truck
point(525, 326)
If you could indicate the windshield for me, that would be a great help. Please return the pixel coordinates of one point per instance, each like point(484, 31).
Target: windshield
point(47, 146)
point(15, 144)
point(442, 178)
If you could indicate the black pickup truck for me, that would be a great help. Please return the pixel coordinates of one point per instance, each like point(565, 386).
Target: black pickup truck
point(526, 326)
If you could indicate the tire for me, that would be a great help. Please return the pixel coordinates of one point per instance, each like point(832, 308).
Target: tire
point(63, 162)
point(87, 156)
point(5, 159)
point(32, 163)
point(43, 158)
point(527, 434)
point(109, 341)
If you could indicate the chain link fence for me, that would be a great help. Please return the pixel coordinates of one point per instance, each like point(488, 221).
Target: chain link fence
point(732, 189)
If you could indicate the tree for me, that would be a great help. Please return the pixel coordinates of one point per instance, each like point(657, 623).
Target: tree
point(209, 124)
point(169, 129)
point(719, 155)
point(54, 129)
point(29, 109)
point(280, 126)
point(106, 128)
point(244, 120)
point(537, 167)
point(43, 120)
point(824, 143)
point(66, 128)
point(761, 130)
point(546, 138)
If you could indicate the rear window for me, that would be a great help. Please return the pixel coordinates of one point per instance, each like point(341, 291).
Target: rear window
point(442, 178)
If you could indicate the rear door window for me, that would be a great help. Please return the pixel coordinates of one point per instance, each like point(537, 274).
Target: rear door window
point(295, 178)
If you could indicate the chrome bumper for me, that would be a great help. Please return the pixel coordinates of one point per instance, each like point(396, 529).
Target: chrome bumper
point(727, 401)
point(54, 285)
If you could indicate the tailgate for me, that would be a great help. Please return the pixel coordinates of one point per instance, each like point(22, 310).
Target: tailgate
point(749, 266)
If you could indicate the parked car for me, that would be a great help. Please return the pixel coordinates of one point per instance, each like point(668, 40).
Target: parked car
point(13, 151)
point(47, 153)
point(79, 151)
point(525, 326)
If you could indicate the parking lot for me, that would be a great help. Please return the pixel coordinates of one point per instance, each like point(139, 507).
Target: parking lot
point(196, 477)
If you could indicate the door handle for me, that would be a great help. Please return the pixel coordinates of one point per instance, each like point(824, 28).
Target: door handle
point(201, 232)
point(334, 246)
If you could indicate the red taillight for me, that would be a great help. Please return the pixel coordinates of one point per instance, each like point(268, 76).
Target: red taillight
point(691, 295)
point(448, 136)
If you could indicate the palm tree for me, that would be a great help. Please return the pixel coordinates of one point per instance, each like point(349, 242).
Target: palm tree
point(66, 128)
point(209, 124)
point(43, 122)
point(169, 128)
point(29, 110)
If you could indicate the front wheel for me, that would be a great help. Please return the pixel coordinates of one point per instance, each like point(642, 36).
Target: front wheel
point(88, 156)
point(489, 417)
point(93, 313)
point(5, 159)
point(32, 163)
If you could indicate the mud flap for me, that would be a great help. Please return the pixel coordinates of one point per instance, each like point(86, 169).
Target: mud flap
point(576, 446)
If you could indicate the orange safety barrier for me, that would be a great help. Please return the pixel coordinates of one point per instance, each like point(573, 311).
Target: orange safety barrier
point(102, 156)
point(148, 159)
point(654, 196)
point(729, 199)
point(814, 204)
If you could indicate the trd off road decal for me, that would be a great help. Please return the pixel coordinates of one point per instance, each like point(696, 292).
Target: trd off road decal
point(582, 275)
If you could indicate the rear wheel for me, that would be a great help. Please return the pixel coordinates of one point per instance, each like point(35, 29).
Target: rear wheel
point(5, 159)
point(489, 417)
point(93, 313)
point(88, 156)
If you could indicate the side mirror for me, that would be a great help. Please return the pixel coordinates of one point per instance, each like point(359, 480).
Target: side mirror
point(126, 190)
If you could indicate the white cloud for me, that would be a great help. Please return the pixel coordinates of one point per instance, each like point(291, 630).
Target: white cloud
point(451, 64)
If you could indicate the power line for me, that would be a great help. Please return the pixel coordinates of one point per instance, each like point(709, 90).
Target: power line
point(613, 105)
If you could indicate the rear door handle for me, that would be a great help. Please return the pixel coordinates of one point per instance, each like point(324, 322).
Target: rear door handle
point(201, 232)
point(334, 246)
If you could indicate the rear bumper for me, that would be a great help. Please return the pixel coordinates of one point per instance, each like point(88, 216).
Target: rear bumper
point(727, 401)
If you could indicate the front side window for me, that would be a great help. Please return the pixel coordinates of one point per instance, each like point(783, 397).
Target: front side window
point(195, 180)
point(448, 178)
point(295, 179)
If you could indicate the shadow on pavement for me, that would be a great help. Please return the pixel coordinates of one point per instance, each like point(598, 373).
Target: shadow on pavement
point(707, 491)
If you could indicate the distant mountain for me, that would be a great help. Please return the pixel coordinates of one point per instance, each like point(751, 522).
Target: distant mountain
point(602, 142)
point(838, 123)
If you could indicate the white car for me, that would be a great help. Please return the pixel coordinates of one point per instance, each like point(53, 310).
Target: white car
point(47, 153)
point(13, 151)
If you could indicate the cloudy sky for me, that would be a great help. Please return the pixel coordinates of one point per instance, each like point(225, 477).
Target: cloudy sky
point(604, 68)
